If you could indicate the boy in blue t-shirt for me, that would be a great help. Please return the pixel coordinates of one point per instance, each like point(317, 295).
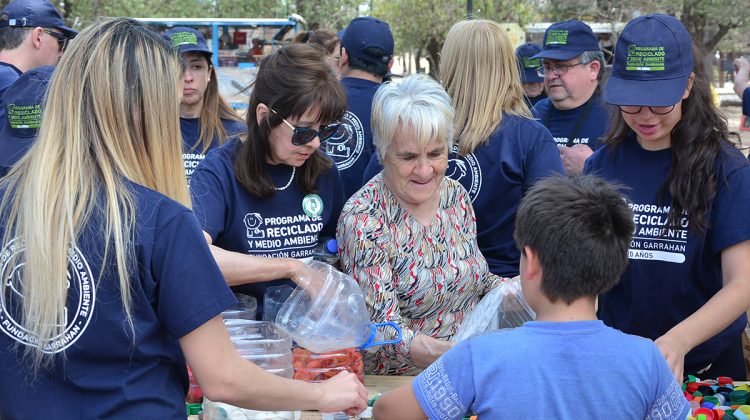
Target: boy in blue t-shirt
point(566, 364)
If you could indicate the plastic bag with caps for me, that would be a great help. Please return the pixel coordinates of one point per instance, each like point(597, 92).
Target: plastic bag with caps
point(503, 307)
point(327, 312)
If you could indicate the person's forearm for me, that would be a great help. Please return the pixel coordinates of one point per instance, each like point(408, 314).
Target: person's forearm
point(721, 310)
point(424, 350)
point(224, 376)
point(239, 268)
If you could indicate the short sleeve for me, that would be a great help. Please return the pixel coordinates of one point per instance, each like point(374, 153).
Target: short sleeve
point(445, 390)
point(731, 207)
point(191, 289)
point(667, 401)
point(207, 191)
point(544, 159)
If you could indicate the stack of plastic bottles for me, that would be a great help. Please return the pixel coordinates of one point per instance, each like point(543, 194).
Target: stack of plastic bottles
point(717, 399)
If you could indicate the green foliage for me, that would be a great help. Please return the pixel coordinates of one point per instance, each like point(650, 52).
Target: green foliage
point(421, 25)
point(327, 14)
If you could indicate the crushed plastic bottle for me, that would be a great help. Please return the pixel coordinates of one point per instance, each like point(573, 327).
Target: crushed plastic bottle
point(327, 251)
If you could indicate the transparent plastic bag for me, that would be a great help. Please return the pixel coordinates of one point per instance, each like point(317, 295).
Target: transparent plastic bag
point(328, 312)
point(502, 308)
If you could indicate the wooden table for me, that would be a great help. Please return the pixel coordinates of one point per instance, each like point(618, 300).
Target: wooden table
point(374, 385)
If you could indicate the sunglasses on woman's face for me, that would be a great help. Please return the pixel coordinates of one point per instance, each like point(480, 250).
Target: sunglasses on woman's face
point(303, 135)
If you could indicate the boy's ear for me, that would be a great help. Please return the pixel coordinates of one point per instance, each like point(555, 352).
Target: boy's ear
point(533, 267)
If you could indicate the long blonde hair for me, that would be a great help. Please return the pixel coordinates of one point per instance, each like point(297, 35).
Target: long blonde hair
point(111, 115)
point(479, 71)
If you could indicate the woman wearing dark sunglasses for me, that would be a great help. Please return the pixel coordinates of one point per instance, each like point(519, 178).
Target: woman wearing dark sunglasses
point(263, 202)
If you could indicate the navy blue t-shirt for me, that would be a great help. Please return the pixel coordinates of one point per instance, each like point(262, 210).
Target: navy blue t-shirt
point(583, 125)
point(352, 151)
point(533, 101)
point(192, 151)
point(286, 225)
point(105, 372)
point(8, 74)
point(496, 176)
point(672, 272)
point(746, 102)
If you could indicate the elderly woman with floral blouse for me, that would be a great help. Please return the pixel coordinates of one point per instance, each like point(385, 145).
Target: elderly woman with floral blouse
point(408, 236)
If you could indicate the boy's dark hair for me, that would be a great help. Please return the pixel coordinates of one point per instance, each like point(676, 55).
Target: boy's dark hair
point(581, 229)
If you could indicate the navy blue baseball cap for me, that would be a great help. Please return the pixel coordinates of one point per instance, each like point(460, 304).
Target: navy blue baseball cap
point(365, 36)
point(653, 62)
point(525, 55)
point(22, 108)
point(566, 40)
point(32, 14)
point(187, 40)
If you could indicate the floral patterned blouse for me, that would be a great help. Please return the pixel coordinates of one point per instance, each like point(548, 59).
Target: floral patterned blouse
point(424, 278)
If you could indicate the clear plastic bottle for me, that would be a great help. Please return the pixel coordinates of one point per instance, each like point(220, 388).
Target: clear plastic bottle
point(327, 251)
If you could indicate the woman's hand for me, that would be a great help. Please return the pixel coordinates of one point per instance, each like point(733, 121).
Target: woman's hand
point(343, 392)
point(674, 351)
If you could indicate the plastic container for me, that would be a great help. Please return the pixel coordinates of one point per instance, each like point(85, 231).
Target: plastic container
point(317, 367)
point(264, 344)
point(327, 251)
point(213, 410)
point(246, 308)
point(330, 314)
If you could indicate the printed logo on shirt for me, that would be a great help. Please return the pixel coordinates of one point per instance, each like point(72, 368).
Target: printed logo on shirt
point(668, 405)
point(347, 145)
point(191, 161)
point(284, 236)
point(76, 315)
point(466, 170)
point(440, 393)
point(654, 238)
point(254, 226)
point(563, 141)
point(312, 205)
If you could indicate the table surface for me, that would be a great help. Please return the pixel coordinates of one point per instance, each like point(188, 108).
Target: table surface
point(374, 384)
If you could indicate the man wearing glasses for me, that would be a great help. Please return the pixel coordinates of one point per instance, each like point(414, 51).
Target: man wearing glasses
point(572, 64)
point(32, 34)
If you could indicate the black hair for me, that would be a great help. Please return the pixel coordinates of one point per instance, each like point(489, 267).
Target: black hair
point(290, 81)
point(377, 68)
point(581, 228)
point(696, 142)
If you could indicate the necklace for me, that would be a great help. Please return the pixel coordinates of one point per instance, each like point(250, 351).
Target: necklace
point(294, 170)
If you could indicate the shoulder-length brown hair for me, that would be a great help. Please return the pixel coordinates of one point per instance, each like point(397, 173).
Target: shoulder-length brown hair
point(290, 81)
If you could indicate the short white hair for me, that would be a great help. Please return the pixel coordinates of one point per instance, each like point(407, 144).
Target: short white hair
point(419, 103)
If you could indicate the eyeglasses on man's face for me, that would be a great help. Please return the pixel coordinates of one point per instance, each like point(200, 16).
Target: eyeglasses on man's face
point(557, 69)
point(62, 40)
point(303, 135)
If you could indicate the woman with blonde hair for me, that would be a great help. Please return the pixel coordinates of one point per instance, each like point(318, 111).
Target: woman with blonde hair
point(206, 119)
point(108, 286)
point(500, 150)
